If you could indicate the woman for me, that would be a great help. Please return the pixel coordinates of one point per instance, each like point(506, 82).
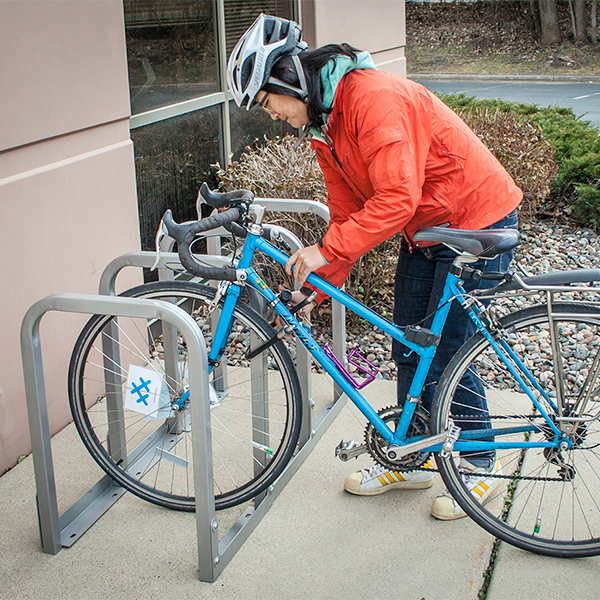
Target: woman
point(394, 158)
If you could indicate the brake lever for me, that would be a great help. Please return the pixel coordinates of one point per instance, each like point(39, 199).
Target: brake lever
point(161, 233)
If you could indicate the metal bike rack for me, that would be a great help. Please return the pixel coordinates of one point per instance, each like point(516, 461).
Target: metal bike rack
point(338, 311)
point(61, 531)
point(58, 531)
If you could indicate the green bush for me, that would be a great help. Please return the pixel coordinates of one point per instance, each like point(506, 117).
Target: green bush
point(588, 203)
point(576, 147)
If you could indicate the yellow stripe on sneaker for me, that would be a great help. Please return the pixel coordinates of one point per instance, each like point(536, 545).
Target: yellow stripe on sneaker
point(478, 491)
point(484, 485)
point(399, 476)
point(382, 480)
point(389, 477)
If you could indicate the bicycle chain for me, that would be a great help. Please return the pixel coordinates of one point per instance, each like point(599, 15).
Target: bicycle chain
point(482, 417)
point(493, 475)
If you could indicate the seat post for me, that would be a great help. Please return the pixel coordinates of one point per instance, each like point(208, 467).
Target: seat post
point(464, 259)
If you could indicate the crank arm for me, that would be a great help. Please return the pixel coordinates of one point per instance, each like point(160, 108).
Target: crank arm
point(395, 452)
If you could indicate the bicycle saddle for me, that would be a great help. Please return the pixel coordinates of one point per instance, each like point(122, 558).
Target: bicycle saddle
point(482, 243)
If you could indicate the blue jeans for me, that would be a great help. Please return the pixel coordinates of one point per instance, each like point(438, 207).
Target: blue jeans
point(420, 278)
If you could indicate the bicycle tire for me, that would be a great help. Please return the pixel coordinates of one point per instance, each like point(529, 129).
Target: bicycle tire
point(151, 456)
point(544, 502)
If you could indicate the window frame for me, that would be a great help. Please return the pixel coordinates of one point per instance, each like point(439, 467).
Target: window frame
point(222, 98)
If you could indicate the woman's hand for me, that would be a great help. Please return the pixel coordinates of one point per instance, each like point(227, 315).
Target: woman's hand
point(298, 297)
point(305, 261)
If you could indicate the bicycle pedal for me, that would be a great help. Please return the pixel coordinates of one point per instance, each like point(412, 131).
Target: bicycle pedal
point(452, 435)
point(351, 449)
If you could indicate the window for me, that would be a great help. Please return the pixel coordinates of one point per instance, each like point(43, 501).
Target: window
point(183, 121)
point(171, 51)
point(240, 14)
point(172, 159)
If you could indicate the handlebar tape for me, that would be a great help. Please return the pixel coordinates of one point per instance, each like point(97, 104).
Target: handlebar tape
point(185, 233)
point(225, 199)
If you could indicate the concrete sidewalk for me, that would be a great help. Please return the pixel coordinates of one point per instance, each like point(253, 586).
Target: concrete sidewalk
point(315, 542)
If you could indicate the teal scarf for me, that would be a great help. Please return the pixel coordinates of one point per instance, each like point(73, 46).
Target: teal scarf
point(336, 68)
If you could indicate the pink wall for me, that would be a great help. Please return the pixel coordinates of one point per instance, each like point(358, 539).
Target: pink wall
point(67, 182)
point(377, 26)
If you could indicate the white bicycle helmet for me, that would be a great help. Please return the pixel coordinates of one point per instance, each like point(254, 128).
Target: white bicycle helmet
point(266, 41)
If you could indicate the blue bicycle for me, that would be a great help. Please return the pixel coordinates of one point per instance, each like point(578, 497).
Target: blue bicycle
point(524, 388)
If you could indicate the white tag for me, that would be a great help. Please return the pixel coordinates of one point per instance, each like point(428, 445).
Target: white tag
point(146, 392)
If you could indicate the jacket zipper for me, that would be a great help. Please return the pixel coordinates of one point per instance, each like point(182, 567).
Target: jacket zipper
point(348, 179)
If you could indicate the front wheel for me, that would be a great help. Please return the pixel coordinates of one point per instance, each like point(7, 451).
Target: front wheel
point(544, 500)
point(128, 400)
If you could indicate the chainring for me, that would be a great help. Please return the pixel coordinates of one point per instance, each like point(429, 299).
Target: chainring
point(376, 445)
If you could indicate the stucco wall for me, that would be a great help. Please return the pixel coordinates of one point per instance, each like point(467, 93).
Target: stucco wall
point(377, 26)
point(67, 183)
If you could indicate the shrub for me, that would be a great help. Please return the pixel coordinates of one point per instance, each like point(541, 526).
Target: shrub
point(588, 203)
point(522, 150)
point(277, 169)
point(576, 147)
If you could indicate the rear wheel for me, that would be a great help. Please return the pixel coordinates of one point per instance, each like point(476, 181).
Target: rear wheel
point(126, 392)
point(546, 500)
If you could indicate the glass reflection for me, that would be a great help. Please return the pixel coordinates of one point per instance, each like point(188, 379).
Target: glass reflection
point(240, 14)
point(172, 159)
point(171, 51)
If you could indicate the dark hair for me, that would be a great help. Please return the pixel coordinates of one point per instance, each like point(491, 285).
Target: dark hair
point(312, 63)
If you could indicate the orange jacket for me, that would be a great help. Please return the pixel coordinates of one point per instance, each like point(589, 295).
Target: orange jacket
point(396, 158)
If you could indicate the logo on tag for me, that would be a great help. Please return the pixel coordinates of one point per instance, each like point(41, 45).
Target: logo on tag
point(146, 392)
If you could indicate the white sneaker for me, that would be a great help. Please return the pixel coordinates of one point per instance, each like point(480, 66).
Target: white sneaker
point(378, 479)
point(481, 487)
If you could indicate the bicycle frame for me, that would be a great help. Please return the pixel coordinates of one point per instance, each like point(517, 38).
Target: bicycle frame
point(453, 290)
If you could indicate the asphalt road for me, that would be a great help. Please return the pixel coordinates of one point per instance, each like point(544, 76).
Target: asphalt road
point(583, 98)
